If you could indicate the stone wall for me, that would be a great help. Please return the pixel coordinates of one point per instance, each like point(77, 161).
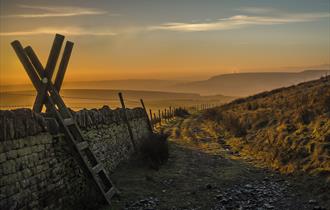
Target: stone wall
point(39, 171)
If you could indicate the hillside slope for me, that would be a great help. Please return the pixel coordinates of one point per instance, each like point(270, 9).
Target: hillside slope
point(238, 84)
point(244, 84)
point(287, 128)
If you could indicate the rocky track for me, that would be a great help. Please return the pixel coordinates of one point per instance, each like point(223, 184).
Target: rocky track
point(203, 174)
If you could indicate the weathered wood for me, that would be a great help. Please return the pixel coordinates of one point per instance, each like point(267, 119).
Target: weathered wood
point(35, 61)
point(49, 95)
point(126, 119)
point(160, 117)
point(146, 114)
point(40, 99)
point(152, 120)
point(63, 65)
point(26, 64)
point(53, 55)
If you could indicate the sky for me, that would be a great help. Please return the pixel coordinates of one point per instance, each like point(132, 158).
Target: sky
point(172, 39)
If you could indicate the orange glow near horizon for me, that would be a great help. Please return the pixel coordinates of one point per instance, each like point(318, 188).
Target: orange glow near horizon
point(163, 49)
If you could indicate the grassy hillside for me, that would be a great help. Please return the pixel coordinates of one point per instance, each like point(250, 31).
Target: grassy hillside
point(287, 128)
point(244, 84)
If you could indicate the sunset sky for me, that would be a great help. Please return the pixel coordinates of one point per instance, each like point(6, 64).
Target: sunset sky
point(158, 39)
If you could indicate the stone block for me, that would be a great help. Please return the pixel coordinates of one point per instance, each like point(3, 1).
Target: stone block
point(12, 154)
point(27, 173)
point(3, 157)
point(8, 167)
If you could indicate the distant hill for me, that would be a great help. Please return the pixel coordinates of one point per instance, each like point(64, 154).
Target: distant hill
point(286, 128)
point(244, 84)
point(240, 84)
point(93, 98)
point(129, 84)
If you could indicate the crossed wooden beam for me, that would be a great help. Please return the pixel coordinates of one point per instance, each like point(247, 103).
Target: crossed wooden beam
point(41, 76)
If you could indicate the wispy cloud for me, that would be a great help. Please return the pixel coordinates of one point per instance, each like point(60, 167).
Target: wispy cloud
point(73, 31)
point(56, 11)
point(239, 21)
point(255, 10)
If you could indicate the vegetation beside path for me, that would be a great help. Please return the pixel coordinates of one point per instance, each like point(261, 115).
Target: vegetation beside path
point(204, 173)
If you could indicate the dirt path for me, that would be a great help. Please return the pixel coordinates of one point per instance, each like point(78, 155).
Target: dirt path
point(206, 175)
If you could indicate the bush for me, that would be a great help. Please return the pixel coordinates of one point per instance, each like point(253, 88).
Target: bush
point(212, 114)
point(304, 115)
point(154, 150)
point(234, 125)
point(180, 112)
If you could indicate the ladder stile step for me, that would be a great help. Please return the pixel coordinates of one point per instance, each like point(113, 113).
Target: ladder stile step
point(97, 168)
point(64, 118)
point(111, 193)
point(68, 121)
point(82, 145)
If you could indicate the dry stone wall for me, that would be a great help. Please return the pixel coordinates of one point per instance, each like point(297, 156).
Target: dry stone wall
point(38, 169)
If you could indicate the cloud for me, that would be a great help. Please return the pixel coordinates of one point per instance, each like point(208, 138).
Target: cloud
point(56, 11)
point(255, 10)
point(240, 21)
point(73, 31)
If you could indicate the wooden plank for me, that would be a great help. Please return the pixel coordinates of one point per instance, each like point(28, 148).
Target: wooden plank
point(97, 168)
point(40, 99)
point(63, 65)
point(27, 64)
point(160, 117)
point(53, 55)
point(58, 107)
point(35, 61)
point(152, 120)
point(83, 159)
point(68, 121)
point(126, 119)
point(146, 115)
point(82, 145)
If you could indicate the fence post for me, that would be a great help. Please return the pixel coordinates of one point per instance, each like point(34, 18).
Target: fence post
point(152, 119)
point(166, 112)
point(155, 119)
point(160, 117)
point(146, 114)
point(126, 119)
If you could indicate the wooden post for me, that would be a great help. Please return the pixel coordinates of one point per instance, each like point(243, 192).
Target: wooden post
point(126, 119)
point(165, 113)
point(151, 118)
point(146, 114)
point(155, 119)
point(63, 65)
point(160, 117)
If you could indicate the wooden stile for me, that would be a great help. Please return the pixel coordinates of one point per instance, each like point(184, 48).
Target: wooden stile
point(48, 95)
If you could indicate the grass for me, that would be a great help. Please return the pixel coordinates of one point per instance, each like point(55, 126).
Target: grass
point(287, 128)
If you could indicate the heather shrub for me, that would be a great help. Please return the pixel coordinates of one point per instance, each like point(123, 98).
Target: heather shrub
point(233, 124)
point(154, 150)
point(212, 114)
point(304, 116)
